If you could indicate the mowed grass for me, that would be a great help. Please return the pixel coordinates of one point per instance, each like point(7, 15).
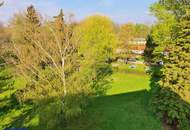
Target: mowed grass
point(119, 112)
point(125, 107)
point(128, 82)
point(126, 79)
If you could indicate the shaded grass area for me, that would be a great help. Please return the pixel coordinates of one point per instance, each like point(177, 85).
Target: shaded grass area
point(119, 112)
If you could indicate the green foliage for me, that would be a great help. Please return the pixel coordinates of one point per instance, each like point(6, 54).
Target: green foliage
point(96, 44)
point(25, 28)
point(36, 91)
point(163, 32)
point(16, 26)
point(6, 88)
point(60, 27)
point(148, 52)
point(6, 82)
point(178, 7)
point(141, 30)
point(172, 99)
point(4, 35)
point(32, 25)
point(59, 22)
point(171, 108)
point(120, 109)
point(96, 48)
point(51, 114)
point(127, 32)
point(32, 16)
point(63, 66)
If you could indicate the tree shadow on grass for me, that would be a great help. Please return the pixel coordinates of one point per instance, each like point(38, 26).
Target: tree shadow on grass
point(15, 117)
point(127, 111)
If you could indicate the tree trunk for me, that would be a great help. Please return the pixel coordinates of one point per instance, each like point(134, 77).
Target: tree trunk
point(63, 76)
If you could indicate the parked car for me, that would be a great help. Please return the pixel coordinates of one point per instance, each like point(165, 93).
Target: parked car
point(132, 60)
point(160, 63)
point(133, 66)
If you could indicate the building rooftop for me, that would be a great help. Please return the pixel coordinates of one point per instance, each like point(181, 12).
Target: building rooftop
point(139, 39)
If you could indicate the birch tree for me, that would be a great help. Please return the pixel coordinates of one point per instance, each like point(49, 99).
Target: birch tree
point(65, 65)
point(48, 62)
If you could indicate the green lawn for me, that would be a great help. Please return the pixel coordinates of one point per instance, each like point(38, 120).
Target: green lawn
point(119, 112)
point(125, 83)
point(125, 107)
point(126, 79)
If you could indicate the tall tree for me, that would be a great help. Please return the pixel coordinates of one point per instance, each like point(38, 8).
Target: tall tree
point(148, 53)
point(25, 27)
point(97, 45)
point(52, 83)
point(60, 26)
point(129, 31)
point(126, 33)
point(171, 34)
point(59, 21)
point(174, 96)
point(32, 24)
point(75, 67)
point(141, 30)
point(164, 31)
point(177, 7)
point(176, 72)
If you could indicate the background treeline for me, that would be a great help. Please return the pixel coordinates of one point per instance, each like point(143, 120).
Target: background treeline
point(49, 69)
point(169, 42)
point(130, 31)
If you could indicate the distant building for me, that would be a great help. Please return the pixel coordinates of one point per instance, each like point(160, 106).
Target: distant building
point(138, 41)
point(137, 46)
point(134, 48)
point(121, 51)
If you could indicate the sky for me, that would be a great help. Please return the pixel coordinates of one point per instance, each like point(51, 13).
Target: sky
point(120, 11)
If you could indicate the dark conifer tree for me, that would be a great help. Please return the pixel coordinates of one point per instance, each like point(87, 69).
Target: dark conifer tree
point(176, 72)
point(60, 27)
point(59, 21)
point(172, 100)
point(148, 53)
point(32, 25)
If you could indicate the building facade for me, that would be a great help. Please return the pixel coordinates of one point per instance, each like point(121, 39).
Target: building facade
point(137, 46)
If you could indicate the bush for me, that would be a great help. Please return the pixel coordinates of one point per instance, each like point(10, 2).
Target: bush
point(171, 108)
